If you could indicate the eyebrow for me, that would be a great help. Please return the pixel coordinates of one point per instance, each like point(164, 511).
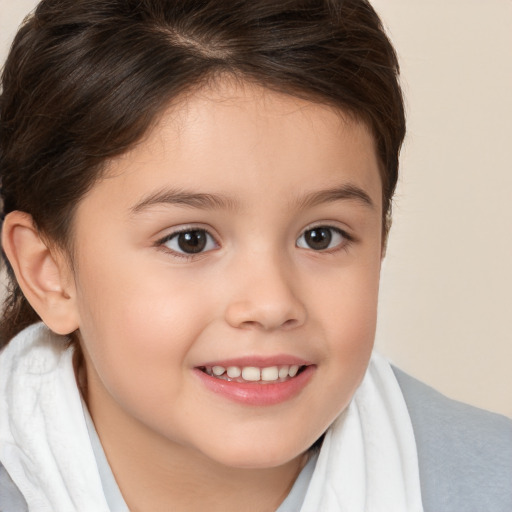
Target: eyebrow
point(220, 202)
point(188, 199)
point(343, 192)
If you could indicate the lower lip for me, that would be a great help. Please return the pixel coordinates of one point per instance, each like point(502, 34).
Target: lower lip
point(257, 393)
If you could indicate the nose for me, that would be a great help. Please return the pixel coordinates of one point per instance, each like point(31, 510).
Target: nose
point(264, 296)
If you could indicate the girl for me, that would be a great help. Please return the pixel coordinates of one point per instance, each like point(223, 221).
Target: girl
point(196, 198)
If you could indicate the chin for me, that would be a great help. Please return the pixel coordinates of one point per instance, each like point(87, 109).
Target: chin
point(263, 455)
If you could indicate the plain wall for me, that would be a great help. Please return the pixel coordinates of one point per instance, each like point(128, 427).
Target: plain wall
point(446, 306)
point(446, 297)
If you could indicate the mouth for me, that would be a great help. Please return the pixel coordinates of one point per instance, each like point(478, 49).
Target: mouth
point(261, 375)
point(257, 381)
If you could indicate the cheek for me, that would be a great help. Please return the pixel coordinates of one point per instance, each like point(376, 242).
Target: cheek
point(134, 301)
point(348, 304)
point(348, 311)
point(137, 329)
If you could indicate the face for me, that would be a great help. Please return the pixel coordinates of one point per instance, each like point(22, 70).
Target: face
point(226, 275)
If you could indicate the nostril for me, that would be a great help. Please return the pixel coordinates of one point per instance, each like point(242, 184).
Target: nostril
point(249, 324)
point(292, 322)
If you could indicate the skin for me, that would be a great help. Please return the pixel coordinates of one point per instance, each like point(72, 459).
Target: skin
point(147, 316)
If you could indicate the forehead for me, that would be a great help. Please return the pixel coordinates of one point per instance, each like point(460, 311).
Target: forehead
point(240, 139)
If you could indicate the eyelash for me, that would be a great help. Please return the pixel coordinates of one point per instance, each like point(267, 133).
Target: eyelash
point(347, 239)
point(175, 234)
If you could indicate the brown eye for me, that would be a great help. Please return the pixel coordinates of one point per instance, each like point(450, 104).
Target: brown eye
point(321, 238)
point(190, 242)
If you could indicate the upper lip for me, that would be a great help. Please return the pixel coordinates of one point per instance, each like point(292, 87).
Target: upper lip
point(258, 361)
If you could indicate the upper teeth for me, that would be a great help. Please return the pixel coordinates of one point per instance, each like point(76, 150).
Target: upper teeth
point(253, 373)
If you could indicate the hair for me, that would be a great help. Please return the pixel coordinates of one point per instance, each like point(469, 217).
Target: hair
point(86, 79)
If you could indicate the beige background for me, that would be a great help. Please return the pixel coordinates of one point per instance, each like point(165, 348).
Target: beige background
point(446, 303)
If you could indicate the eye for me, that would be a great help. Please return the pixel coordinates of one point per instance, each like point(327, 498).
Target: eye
point(190, 241)
point(321, 238)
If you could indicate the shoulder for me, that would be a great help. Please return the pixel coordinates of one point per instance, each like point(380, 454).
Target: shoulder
point(464, 453)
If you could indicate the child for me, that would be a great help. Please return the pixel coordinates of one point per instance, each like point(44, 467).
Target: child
point(196, 198)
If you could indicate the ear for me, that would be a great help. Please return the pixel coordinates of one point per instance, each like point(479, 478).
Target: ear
point(44, 275)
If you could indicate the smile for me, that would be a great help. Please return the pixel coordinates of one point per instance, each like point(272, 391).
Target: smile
point(256, 383)
point(253, 373)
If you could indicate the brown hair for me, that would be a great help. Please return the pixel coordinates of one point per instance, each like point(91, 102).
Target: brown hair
point(85, 79)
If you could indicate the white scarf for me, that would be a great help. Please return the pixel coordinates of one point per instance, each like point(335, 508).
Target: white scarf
point(368, 460)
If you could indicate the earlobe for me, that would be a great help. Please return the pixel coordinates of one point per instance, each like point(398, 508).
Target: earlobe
point(43, 275)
